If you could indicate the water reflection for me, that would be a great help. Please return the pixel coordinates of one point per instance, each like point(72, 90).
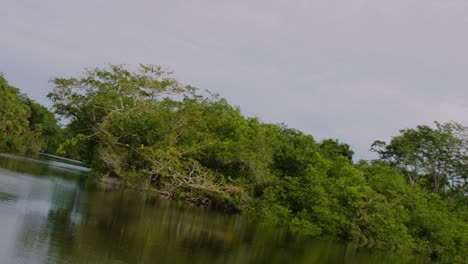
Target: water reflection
point(51, 215)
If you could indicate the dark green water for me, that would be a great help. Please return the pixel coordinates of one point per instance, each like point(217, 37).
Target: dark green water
point(50, 214)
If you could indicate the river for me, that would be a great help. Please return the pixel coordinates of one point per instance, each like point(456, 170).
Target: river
point(50, 213)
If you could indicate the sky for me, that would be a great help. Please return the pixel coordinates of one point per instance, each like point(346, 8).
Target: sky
point(355, 70)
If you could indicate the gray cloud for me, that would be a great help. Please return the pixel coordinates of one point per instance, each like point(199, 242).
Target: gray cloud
point(354, 70)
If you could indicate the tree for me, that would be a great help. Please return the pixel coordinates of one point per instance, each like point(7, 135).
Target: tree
point(25, 126)
point(294, 153)
point(15, 133)
point(43, 122)
point(147, 129)
point(332, 148)
point(435, 157)
point(93, 101)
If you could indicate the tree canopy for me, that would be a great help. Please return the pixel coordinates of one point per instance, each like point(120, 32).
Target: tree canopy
point(433, 157)
point(25, 126)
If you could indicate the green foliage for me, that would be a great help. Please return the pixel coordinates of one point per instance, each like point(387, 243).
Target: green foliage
point(293, 152)
point(44, 124)
point(151, 132)
point(25, 126)
point(433, 157)
point(331, 149)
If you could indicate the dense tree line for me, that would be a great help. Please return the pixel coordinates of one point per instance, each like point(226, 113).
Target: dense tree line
point(25, 126)
point(149, 131)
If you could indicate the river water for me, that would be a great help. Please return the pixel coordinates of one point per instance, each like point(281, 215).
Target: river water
point(49, 213)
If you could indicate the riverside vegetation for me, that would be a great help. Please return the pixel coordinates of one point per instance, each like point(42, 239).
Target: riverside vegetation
point(150, 132)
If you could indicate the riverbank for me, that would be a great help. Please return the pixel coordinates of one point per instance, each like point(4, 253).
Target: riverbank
point(48, 215)
point(199, 201)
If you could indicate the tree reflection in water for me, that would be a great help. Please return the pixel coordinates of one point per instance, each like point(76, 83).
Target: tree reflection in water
point(60, 218)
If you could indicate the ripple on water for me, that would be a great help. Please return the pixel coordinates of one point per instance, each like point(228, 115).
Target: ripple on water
point(7, 199)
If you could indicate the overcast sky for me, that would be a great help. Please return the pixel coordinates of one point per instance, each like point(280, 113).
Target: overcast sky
point(354, 70)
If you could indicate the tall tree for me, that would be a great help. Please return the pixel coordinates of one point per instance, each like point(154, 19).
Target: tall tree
point(15, 135)
point(149, 130)
point(103, 97)
point(435, 157)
